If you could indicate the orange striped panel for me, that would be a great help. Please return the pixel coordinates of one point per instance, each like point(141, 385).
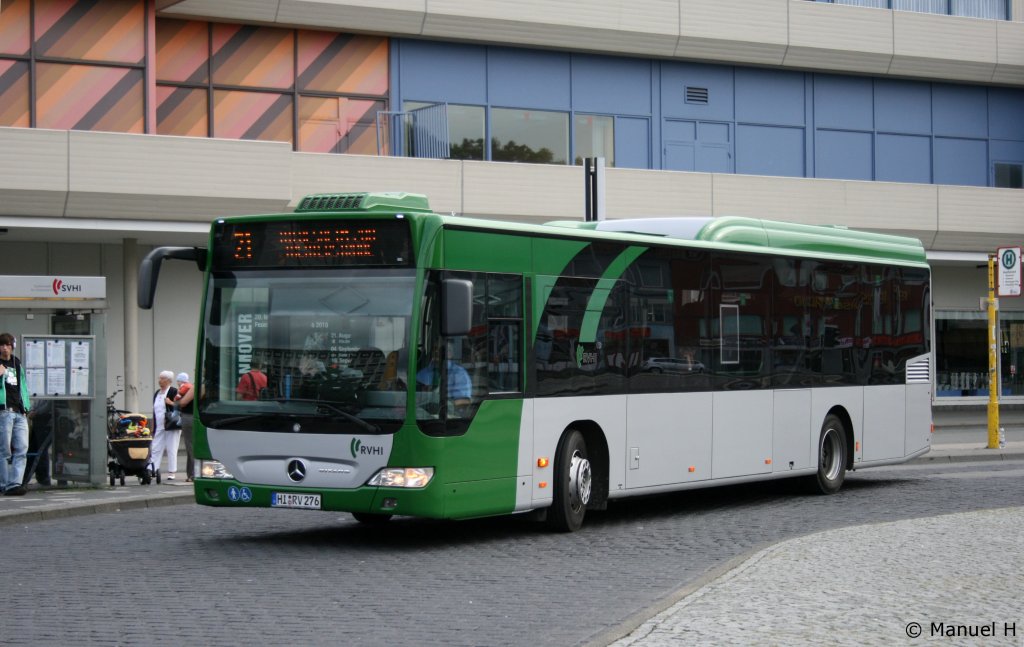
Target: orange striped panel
point(338, 125)
point(14, 32)
point(256, 57)
point(181, 111)
point(112, 30)
point(252, 115)
point(14, 94)
point(182, 51)
point(85, 97)
point(330, 62)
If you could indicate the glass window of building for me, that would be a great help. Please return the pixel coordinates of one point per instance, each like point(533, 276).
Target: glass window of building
point(1009, 176)
point(594, 136)
point(73, 65)
point(466, 132)
point(319, 90)
point(465, 129)
point(961, 353)
point(992, 9)
point(537, 136)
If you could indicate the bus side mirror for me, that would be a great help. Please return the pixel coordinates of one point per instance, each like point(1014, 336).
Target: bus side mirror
point(457, 301)
point(149, 269)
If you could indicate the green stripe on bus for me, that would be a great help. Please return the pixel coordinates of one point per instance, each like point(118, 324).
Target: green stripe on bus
point(599, 298)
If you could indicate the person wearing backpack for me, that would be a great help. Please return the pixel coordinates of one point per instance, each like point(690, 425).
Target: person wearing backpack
point(252, 383)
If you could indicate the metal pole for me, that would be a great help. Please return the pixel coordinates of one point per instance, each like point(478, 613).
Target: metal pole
point(130, 269)
point(993, 358)
point(588, 209)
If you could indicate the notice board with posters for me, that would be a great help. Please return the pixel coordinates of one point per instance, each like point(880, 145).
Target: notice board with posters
point(59, 375)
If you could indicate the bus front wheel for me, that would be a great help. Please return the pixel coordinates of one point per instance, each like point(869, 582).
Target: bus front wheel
point(831, 457)
point(573, 482)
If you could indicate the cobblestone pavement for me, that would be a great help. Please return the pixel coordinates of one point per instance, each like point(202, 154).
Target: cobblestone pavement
point(184, 574)
point(921, 581)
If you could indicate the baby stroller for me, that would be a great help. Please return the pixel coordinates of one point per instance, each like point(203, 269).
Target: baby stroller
point(128, 444)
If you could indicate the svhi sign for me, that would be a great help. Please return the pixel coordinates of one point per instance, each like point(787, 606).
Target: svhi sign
point(1008, 263)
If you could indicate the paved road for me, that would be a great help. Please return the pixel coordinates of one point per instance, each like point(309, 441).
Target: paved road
point(921, 581)
point(184, 574)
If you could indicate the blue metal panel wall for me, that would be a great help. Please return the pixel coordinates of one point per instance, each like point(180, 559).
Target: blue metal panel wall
point(769, 97)
point(961, 161)
point(960, 111)
point(519, 78)
point(903, 158)
point(442, 72)
point(843, 102)
point(1005, 112)
point(753, 120)
point(843, 154)
point(770, 150)
point(1004, 151)
point(611, 86)
point(903, 107)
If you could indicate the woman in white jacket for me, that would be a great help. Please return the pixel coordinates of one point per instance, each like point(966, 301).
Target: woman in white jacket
point(164, 438)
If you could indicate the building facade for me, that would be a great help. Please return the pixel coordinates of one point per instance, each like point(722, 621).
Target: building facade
point(132, 123)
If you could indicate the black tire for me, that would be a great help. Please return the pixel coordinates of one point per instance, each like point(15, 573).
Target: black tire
point(832, 457)
point(573, 483)
point(371, 518)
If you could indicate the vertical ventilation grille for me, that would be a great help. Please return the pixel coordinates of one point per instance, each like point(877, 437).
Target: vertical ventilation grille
point(696, 95)
point(919, 371)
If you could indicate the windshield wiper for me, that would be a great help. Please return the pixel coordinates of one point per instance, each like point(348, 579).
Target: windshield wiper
point(339, 412)
point(234, 420)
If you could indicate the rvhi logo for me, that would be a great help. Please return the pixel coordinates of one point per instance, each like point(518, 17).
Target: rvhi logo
point(359, 449)
point(57, 284)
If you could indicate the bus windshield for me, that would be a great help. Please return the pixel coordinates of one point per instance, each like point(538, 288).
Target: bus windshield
point(308, 351)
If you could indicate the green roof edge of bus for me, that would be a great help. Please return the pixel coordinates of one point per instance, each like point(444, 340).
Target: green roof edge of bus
point(774, 234)
point(812, 238)
point(363, 202)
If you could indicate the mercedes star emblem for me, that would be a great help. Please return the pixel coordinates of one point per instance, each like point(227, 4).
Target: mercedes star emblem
point(296, 470)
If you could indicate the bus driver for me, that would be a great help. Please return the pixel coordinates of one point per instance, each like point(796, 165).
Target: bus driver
point(460, 387)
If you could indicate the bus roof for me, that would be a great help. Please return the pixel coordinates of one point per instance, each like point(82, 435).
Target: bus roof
point(732, 231)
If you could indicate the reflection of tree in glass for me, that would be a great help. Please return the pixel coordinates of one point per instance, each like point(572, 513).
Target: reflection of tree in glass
point(469, 149)
point(513, 152)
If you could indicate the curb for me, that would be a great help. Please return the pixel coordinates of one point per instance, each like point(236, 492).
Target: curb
point(77, 510)
point(969, 456)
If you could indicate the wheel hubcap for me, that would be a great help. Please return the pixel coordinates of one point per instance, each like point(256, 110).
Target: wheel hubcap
point(579, 481)
point(830, 454)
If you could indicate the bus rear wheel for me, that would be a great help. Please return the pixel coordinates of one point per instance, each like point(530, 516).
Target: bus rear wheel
point(831, 457)
point(573, 483)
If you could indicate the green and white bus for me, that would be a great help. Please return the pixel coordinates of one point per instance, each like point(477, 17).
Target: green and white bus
point(450, 367)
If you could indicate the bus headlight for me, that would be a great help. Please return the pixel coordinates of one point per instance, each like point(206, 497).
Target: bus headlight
point(407, 477)
point(214, 470)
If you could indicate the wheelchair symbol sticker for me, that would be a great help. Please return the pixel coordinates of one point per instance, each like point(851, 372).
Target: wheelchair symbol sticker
point(246, 495)
point(233, 494)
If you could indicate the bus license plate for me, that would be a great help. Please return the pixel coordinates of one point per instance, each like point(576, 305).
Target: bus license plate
point(289, 500)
